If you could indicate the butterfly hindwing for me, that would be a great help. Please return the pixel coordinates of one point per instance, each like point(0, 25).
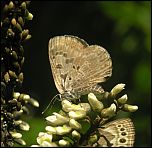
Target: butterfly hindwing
point(118, 133)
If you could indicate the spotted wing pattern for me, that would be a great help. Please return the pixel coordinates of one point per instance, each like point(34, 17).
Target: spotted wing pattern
point(76, 66)
point(118, 133)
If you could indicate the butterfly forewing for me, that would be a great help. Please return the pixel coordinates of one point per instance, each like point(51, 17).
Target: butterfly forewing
point(118, 133)
point(76, 66)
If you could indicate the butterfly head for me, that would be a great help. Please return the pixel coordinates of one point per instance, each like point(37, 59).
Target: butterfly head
point(70, 95)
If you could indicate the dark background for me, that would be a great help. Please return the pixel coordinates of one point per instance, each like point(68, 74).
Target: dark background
point(123, 28)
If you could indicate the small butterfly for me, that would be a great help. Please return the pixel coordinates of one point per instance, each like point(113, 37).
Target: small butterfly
point(117, 133)
point(77, 68)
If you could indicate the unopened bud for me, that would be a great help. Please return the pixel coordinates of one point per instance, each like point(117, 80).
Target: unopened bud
point(50, 129)
point(16, 135)
point(117, 89)
point(109, 112)
point(93, 139)
point(130, 108)
point(123, 99)
point(74, 124)
point(77, 114)
point(20, 141)
point(75, 134)
point(44, 137)
point(64, 143)
point(57, 119)
point(61, 130)
point(95, 103)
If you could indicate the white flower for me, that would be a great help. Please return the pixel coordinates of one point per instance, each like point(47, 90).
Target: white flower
point(77, 114)
point(16, 135)
point(57, 119)
point(117, 89)
point(95, 103)
point(61, 130)
point(74, 124)
point(44, 137)
point(130, 108)
point(50, 129)
point(123, 99)
point(76, 134)
point(64, 142)
point(68, 106)
point(109, 112)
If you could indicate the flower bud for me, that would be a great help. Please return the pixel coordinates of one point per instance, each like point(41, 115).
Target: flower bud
point(130, 108)
point(16, 135)
point(24, 126)
point(95, 103)
point(16, 95)
point(12, 74)
point(20, 20)
point(24, 33)
point(109, 112)
point(50, 129)
point(28, 37)
point(44, 137)
point(23, 5)
point(74, 124)
point(117, 89)
point(14, 54)
point(64, 143)
point(123, 99)
point(11, 5)
point(57, 119)
point(68, 106)
point(10, 32)
point(17, 122)
point(85, 106)
point(21, 77)
point(34, 102)
point(61, 130)
point(48, 144)
point(77, 114)
point(30, 16)
point(20, 141)
point(35, 146)
point(6, 77)
point(26, 97)
point(93, 139)
point(18, 26)
point(76, 135)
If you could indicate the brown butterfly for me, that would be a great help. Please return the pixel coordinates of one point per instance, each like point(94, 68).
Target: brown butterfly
point(118, 133)
point(77, 68)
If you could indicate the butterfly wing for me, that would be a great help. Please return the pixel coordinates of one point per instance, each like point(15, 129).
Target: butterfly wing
point(118, 133)
point(75, 65)
point(62, 52)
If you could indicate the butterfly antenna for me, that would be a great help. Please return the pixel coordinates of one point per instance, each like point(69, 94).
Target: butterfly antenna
point(53, 100)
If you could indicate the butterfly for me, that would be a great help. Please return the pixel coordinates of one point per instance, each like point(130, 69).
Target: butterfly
point(117, 133)
point(77, 68)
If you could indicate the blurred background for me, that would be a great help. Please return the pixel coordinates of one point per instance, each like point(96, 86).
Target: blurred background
point(123, 28)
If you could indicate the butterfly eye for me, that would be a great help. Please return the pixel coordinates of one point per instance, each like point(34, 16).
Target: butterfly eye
point(69, 78)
